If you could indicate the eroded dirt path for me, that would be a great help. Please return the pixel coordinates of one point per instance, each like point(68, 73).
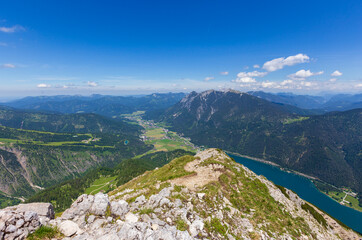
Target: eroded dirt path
point(203, 174)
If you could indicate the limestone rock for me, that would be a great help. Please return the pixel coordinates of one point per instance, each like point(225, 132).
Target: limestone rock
point(196, 227)
point(100, 204)
point(131, 218)
point(119, 208)
point(68, 228)
point(42, 209)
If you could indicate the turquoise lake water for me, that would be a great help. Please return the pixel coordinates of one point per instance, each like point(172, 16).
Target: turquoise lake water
point(306, 190)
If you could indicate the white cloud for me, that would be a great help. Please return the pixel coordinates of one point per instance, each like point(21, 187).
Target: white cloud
point(92, 84)
point(16, 28)
point(286, 82)
point(252, 74)
point(3, 44)
point(333, 79)
point(306, 84)
point(43, 85)
point(256, 66)
point(245, 80)
point(209, 78)
point(359, 85)
point(224, 73)
point(336, 74)
point(248, 77)
point(303, 74)
point(279, 63)
point(7, 65)
point(268, 84)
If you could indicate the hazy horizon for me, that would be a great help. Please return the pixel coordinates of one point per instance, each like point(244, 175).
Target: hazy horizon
point(139, 47)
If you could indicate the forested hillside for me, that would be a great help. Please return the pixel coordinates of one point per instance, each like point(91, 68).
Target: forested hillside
point(46, 149)
point(62, 195)
point(324, 146)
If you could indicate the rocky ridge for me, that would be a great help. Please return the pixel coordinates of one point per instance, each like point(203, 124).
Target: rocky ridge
point(17, 222)
point(206, 196)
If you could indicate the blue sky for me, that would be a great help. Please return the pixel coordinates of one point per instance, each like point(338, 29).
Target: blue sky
point(135, 47)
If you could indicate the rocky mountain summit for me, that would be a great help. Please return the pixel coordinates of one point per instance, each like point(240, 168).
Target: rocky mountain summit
point(206, 196)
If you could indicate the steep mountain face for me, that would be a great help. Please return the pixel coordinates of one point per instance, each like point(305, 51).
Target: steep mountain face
point(326, 146)
point(100, 104)
point(206, 196)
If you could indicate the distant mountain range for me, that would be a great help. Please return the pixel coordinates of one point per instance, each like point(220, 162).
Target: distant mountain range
point(339, 102)
point(327, 146)
point(100, 104)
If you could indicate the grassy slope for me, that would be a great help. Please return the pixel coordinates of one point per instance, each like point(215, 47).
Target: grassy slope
point(246, 194)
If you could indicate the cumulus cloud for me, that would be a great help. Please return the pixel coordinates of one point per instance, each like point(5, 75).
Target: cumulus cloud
point(249, 77)
point(286, 82)
point(256, 66)
point(303, 74)
point(279, 63)
point(252, 74)
point(268, 84)
point(224, 73)
point(209, 78)
point(245, 80)
point(333, 79)
point(306, 84)
point(336, 74)
point(359, 85)
point(92, 84)
point(7, 65)
point(16, 28)
point(43, 85)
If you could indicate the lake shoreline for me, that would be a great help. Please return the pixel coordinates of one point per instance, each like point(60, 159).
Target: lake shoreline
point(294, 172)
point(305, 188)
point(275, 165)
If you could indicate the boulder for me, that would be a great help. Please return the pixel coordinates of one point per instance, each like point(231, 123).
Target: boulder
point(131, 218)
point(196, 227)
point(80, 207)
point(68, 228)
point(119, 208)
point(29, 216)
point(100, 204)
point(42, 209)
point(110, 236)
point(140, 200)
point(11, 229)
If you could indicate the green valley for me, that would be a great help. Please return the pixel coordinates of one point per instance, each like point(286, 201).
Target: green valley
point(159, 136)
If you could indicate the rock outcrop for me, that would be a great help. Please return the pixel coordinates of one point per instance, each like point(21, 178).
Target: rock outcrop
point(18, 221)
point(208, 196)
